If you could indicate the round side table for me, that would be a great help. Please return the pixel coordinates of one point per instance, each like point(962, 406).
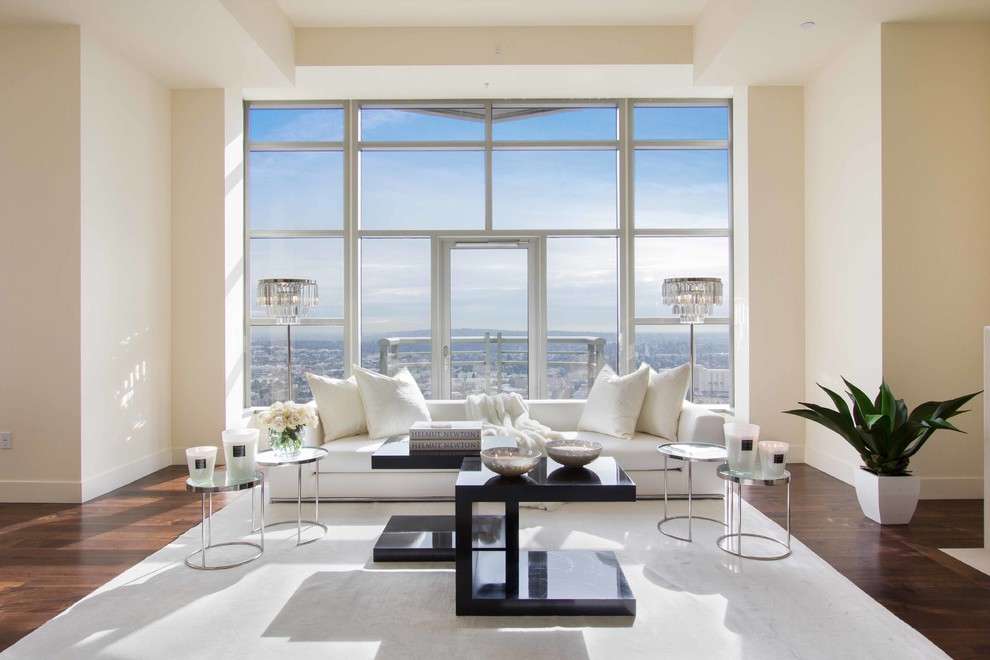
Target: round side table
point(735, 481)
point(221, 484)
point(305, 455)
point(690, 453)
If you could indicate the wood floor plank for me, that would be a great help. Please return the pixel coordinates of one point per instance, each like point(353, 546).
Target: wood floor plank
point(51, 555)
point(900, 566)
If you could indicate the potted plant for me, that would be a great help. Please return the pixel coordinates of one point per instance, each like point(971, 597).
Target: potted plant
point(886, 436)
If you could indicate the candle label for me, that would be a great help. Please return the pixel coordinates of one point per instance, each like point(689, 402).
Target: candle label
point(778, 458)
point(200, 463)
point(240, 451)
point(747, 444)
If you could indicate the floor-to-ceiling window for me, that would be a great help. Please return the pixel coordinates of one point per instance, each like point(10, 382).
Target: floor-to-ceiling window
point(488, 246)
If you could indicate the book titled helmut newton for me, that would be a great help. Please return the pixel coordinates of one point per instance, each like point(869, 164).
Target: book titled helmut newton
point(445, 436)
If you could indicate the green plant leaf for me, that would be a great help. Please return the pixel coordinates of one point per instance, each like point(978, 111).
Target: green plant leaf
point(888, 404)
point(840, 404)
point(924, 411)
point(861, 402)
point(871, 420)
point(882, 431)
point(940, 425)
point(900, 415)
point(948, 409)
point(832, 422)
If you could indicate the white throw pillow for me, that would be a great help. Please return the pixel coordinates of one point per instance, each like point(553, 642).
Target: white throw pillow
point(391, 405)
point(614, 401)
point(339, 404)
point(663, 401)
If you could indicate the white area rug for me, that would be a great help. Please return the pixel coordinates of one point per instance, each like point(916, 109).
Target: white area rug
point(329, 600)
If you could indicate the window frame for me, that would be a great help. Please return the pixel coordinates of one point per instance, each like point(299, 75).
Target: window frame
point(625, 232)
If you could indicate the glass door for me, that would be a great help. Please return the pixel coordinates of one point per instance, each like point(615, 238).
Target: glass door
point(487, 344)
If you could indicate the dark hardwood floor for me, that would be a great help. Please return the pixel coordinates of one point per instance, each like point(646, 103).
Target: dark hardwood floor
point(51, 555)
point(898, 565)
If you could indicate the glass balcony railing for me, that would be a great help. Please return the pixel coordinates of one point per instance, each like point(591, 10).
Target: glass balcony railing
point(493, 362)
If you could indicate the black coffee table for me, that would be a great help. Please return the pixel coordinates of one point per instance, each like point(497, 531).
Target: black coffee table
point(426, 538)
point(495, 577)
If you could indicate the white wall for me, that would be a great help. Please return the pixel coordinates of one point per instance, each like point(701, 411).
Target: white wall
point(741, 372)
point(936, 234)
point(125, 271)
point(207, 265)
point(775, 245)
point(39, 263)
point(843, 215)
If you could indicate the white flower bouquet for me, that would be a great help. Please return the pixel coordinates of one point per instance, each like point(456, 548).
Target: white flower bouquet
point(285, 422)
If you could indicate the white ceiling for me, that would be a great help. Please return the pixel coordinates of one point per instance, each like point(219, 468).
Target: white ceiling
point(184, 43)
point(460, 13)
point(200, 43)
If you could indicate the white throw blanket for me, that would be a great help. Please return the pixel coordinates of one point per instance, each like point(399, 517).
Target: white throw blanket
point(508, 414)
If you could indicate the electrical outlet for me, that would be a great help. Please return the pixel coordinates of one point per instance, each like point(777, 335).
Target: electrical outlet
point(5, 440)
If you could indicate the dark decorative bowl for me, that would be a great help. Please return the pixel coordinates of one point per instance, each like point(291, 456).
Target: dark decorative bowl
point(574, 453)
point(510, 461)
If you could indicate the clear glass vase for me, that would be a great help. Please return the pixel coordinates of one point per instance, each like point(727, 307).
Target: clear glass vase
point(287, 443)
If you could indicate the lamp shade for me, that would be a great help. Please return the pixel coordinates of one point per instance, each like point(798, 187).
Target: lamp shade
point(287, 300)
point(692, 298)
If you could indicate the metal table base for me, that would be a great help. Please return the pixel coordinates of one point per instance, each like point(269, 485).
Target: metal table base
point(307, 455)
point(735, 483)
point(690, 517)
point(206, 528)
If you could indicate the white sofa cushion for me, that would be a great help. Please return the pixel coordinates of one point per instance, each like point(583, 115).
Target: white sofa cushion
point(340, 406)
point(350, 454)
point(614, 402)
point(663, 401)
point(391, 405)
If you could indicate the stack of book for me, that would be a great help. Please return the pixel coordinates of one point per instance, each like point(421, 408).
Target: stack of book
point(463, 437)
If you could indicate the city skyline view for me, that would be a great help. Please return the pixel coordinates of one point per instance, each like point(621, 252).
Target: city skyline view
point(325, 357)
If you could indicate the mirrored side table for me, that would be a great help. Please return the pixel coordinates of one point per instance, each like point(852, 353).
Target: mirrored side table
point(735, 481)
point(690, 453)
point(221, 484)
point(306, 455)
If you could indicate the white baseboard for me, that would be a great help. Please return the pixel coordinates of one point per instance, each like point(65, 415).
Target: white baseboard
point(53, 492)
point(830, 465)
point(124, 474)
point(951, 488)
point(978, 558)
point(932, 488)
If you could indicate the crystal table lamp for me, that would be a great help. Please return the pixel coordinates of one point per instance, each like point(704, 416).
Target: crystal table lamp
point(692, 298)
point(287, 299)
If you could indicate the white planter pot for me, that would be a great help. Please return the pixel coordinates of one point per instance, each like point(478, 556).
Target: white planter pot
point(887, 500)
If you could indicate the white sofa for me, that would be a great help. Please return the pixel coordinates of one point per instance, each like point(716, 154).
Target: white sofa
point(346, 472)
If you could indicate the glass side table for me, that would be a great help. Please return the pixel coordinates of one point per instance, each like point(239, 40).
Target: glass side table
point(690, 453)
point(206, 490)
point(305, 455)
point(735, 481)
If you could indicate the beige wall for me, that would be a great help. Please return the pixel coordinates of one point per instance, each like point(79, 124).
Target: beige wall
point(39, 263)
point(478, 45)
point(936, 233)
point(125, 271)
point(843, 318)
point(775, 245)
point(207, 326)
